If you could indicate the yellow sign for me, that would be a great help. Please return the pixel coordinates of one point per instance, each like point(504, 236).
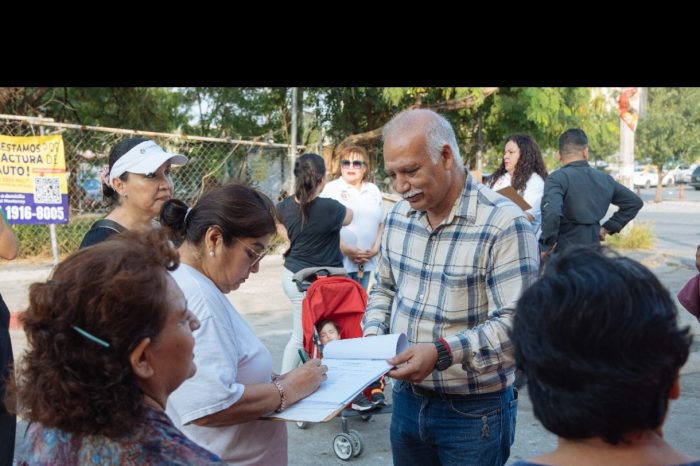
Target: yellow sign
point(33, 182)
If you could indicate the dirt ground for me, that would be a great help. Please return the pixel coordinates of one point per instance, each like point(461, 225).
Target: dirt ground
point(266, 307)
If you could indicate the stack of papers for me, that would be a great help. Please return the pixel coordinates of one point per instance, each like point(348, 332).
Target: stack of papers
point(353, 364)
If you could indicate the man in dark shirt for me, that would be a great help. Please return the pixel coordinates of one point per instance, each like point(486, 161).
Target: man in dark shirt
point(577, 196)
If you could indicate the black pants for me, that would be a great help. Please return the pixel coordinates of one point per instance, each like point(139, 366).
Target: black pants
point(8, 422)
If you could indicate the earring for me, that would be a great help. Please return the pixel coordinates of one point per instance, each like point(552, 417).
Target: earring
point(211, 253)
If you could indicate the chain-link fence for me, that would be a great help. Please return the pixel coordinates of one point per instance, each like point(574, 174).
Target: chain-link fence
point(212, 161)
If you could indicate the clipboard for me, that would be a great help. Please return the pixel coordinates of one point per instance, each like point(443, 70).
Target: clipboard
point(513, 195)
point(353, 364)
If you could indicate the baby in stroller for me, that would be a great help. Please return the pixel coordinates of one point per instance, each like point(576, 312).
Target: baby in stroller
point(329, 330)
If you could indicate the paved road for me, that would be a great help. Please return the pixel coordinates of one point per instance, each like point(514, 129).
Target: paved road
point(264, 304)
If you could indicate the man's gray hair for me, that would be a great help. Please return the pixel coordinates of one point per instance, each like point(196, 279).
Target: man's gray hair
point(438, 132)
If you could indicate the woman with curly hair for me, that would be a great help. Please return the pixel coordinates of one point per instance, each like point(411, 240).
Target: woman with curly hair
point(523, 169)
point(110, 337)
point(9, 247)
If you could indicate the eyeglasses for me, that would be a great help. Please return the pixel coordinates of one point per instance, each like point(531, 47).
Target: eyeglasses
point(354, 163)
point(258, 255)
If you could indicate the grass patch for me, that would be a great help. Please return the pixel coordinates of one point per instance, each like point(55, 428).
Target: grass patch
point(639, 236)
point(35, 240)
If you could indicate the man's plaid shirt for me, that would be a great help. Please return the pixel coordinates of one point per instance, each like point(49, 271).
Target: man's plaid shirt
point(459, 281)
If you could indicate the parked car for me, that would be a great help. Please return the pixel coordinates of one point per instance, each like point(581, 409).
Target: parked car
point(685, 172)
point(678, 173)
point(647, 176)
point(695, 178)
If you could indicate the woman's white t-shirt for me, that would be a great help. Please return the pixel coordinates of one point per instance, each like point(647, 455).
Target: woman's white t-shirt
point(367, 214)
point(534, 189)
point(228, 356)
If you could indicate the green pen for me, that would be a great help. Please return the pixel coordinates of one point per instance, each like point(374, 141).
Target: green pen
point(301, 356)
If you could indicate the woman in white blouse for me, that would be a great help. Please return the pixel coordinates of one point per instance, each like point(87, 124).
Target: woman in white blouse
point(523, 169)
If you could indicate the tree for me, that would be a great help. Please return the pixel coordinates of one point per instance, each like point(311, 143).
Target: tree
point(237, 112)
point(545, 112)
point(144, 108)
point(670, 130)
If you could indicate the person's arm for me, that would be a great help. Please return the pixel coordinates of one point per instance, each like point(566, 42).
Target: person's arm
point(282, 231)
point(378, 241)
point(552, 208)
point(351, 252)
point(514, 265)
point(263, 398)
point(9, 245)
point(366, 256)
point(348, 217)
point(534, 189)
point(376, 318)
point(628, 204)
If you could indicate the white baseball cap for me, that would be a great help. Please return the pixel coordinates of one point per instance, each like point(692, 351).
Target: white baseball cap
point(144, 158)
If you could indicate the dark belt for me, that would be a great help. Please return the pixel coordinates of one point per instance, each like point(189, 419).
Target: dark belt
point(427, 393)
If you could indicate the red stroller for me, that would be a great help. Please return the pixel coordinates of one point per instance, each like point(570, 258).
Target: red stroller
point(331, 294)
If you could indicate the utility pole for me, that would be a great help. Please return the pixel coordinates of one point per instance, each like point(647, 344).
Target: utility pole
point(629, 113)
point(293, 146)
point(626, 154)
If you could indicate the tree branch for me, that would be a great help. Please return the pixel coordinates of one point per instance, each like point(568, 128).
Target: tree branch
point(447, 106)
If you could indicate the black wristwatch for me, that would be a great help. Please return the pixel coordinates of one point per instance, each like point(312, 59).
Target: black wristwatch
point(444, 359)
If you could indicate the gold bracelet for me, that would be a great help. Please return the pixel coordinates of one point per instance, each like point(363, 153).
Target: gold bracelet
point(283, 396)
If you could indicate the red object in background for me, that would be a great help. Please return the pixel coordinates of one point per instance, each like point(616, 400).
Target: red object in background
point(337, 298)
point(629, 107)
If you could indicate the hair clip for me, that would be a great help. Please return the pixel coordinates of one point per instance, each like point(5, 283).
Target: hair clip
point(90, 336)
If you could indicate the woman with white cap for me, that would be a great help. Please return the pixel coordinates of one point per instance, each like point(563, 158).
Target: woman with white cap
point(138, 184)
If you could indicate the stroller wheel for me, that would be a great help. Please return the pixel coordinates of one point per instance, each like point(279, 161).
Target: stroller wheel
point(357, 442)
point(366, 417)
point(302, 425)
point(343, 446)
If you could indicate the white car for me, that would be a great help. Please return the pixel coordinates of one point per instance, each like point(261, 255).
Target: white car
point(647, 176)
point(685, 172)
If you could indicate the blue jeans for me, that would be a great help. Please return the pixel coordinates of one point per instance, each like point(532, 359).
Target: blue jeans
point(364, 281)
point(432, 429)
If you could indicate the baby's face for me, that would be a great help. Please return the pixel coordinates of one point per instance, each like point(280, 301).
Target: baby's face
point(328, 333)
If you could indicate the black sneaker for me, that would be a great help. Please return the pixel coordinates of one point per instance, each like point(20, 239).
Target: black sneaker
point(361, 403)
point(378, 399)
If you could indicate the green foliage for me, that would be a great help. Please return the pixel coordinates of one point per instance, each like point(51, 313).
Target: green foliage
point(145, 108)
point(639, 236)
point(671, 128)
point(351, 110)
point(544, 113)
point(238, 112)
point(35, 240)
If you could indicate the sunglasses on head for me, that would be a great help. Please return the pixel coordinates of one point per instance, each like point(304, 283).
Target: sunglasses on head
point(354, 163)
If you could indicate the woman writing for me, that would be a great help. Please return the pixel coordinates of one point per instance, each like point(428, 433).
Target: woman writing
point(523, 169)
point(110, 337)
point(221, 242)
point(138, 183)
point(312, 225)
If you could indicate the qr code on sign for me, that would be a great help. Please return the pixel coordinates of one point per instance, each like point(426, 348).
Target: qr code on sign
point(47, 190)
